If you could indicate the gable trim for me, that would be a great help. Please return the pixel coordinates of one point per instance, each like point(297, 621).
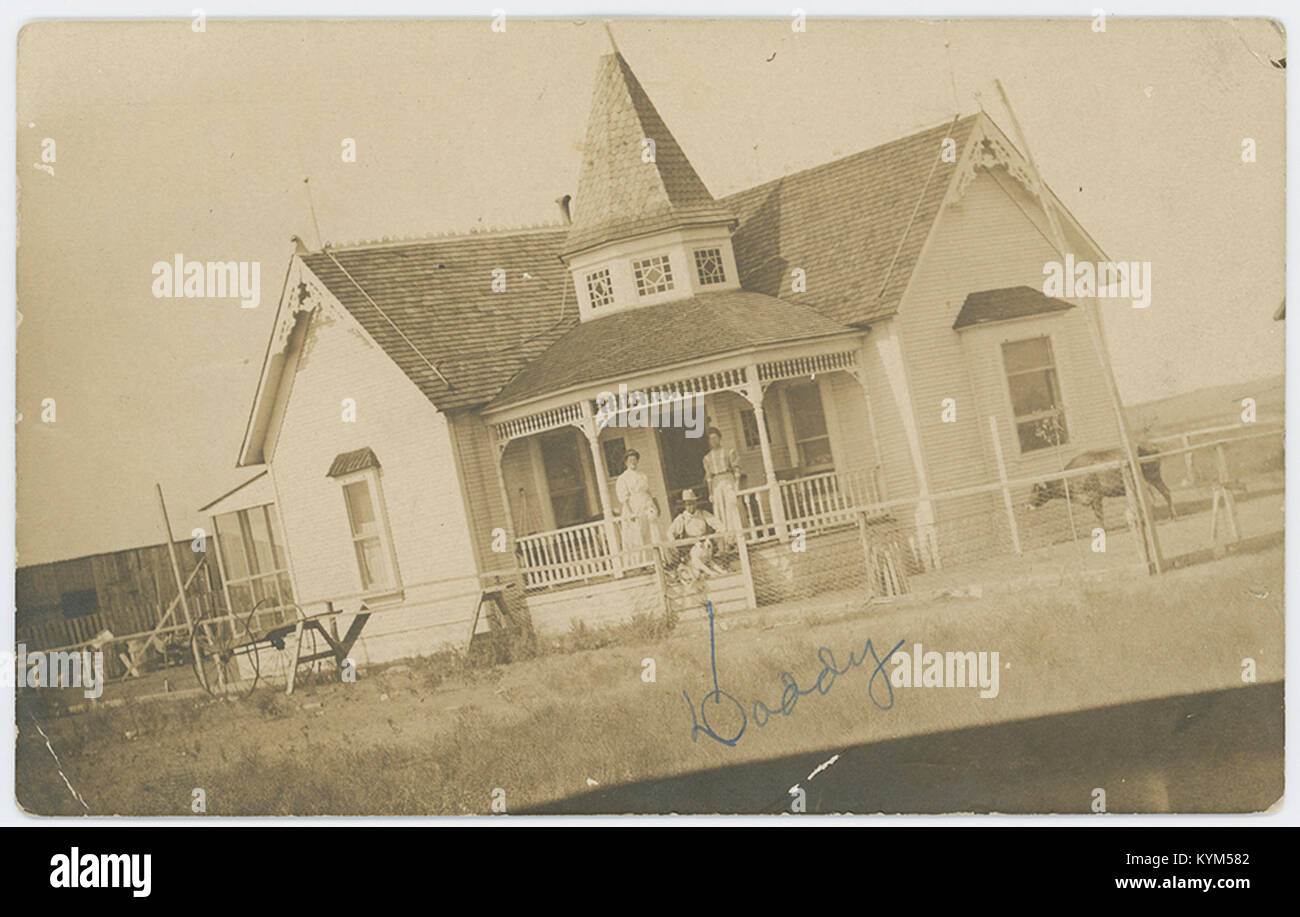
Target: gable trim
point(277, 384)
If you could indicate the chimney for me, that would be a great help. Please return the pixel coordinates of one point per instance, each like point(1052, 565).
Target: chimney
point(564, 208)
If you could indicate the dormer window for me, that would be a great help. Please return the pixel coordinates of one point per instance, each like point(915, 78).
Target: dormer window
point(600, 292)
point(708, 264)
point(653, 275)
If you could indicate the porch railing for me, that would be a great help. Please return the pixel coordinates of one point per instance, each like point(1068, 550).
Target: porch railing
point(829, 498)
point(581, 552)
point(813, 502)
point(756, 517)
point(565, 555)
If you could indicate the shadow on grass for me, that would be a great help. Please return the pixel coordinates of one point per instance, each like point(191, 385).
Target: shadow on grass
point(1214, 752)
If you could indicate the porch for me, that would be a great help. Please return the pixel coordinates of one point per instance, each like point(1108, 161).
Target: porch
point(798, 428)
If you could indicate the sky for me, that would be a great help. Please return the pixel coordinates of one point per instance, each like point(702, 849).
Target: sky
point(171, 141)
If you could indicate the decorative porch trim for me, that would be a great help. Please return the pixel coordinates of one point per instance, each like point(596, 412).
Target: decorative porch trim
point(568, 415)
point(726, 380)
point(795, 367)
point(736, 379)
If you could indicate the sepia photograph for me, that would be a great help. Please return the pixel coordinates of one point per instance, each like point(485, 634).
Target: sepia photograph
point(589, 416)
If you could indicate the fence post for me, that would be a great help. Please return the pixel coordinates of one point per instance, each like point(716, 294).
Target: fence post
point(1137, 520)
point(867, 559)
point(745, 569)
point(1187, 459)
point(1229, 501)
point(1006, 491)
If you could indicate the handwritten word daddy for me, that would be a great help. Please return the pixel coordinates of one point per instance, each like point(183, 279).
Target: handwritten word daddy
point(791, 692)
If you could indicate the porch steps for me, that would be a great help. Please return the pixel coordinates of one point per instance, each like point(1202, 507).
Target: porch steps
point(727, 593)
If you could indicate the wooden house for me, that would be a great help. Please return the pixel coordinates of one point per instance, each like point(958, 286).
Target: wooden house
point(427, 409)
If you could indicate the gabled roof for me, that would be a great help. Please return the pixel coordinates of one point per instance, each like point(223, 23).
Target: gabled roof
point(1004, 304)
point(856, 226)
point(634, 340)
point(841, 222)
point(620, 193)
point(439, 294)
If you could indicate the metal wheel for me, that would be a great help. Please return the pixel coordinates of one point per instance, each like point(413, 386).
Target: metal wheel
point(224, 655)
point(278, 640)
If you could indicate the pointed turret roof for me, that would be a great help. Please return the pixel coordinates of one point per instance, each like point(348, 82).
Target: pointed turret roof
point(620, 194)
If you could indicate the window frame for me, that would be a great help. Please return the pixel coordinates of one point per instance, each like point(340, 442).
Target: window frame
point(253, 576)
point(1060, 409)
point(796, 455)
point(585, 482)
point(663, 261)
point(379, 507)
point(716, 255)
point(598, 275)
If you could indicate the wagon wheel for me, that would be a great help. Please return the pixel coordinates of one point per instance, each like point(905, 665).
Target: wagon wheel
point(224, 657)
point(281, 644)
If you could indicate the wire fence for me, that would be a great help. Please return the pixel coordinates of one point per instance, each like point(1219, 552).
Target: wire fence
point(1203, 500)
point(1206, 495)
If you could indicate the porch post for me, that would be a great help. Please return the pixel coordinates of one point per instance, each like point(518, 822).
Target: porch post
point(602, 485)
point(500, 450)
point(878, 484)
point(754, 394)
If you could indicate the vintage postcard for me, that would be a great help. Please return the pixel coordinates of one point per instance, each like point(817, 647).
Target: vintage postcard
point(512, 416)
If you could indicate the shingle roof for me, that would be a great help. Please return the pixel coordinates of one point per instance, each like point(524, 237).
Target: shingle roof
point(350, 462)
point(635, 340)
point(619, 193)
point(1006, 303)
point(439, 293)
point(842, 223)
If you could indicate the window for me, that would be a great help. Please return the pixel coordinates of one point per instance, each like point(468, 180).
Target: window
point(615, 450)
point(79, 603)
point(708, 263)
point(1035, 394)
point(566, 476)
point(252, 557)
point(600, 292)
point(653, 275)
point(749, 426)
point(812, 441)
point(369, 534)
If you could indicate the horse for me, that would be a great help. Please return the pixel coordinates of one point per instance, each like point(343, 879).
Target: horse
point(1091, 489)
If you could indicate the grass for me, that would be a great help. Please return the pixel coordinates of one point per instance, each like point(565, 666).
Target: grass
point(439, 735)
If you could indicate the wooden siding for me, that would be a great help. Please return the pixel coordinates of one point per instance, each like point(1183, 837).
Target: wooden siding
point(131, 587)
point(988, 241)
point(430, 532)
point(595, 604)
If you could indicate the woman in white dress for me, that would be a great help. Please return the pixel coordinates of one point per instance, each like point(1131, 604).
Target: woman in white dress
point(638, 509)
point(722, 468)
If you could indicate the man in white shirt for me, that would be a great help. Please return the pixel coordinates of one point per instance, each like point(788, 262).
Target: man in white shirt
point(693, 522)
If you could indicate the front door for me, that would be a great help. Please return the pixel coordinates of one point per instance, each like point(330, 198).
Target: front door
point(682, 458)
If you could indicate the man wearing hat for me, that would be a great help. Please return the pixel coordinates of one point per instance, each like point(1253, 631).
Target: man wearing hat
point(696, 523)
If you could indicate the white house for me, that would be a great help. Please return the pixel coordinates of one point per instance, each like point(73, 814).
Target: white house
point(424, 402)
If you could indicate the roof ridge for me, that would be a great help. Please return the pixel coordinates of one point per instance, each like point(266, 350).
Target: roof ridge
point(489, 232)
point(847, 156)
